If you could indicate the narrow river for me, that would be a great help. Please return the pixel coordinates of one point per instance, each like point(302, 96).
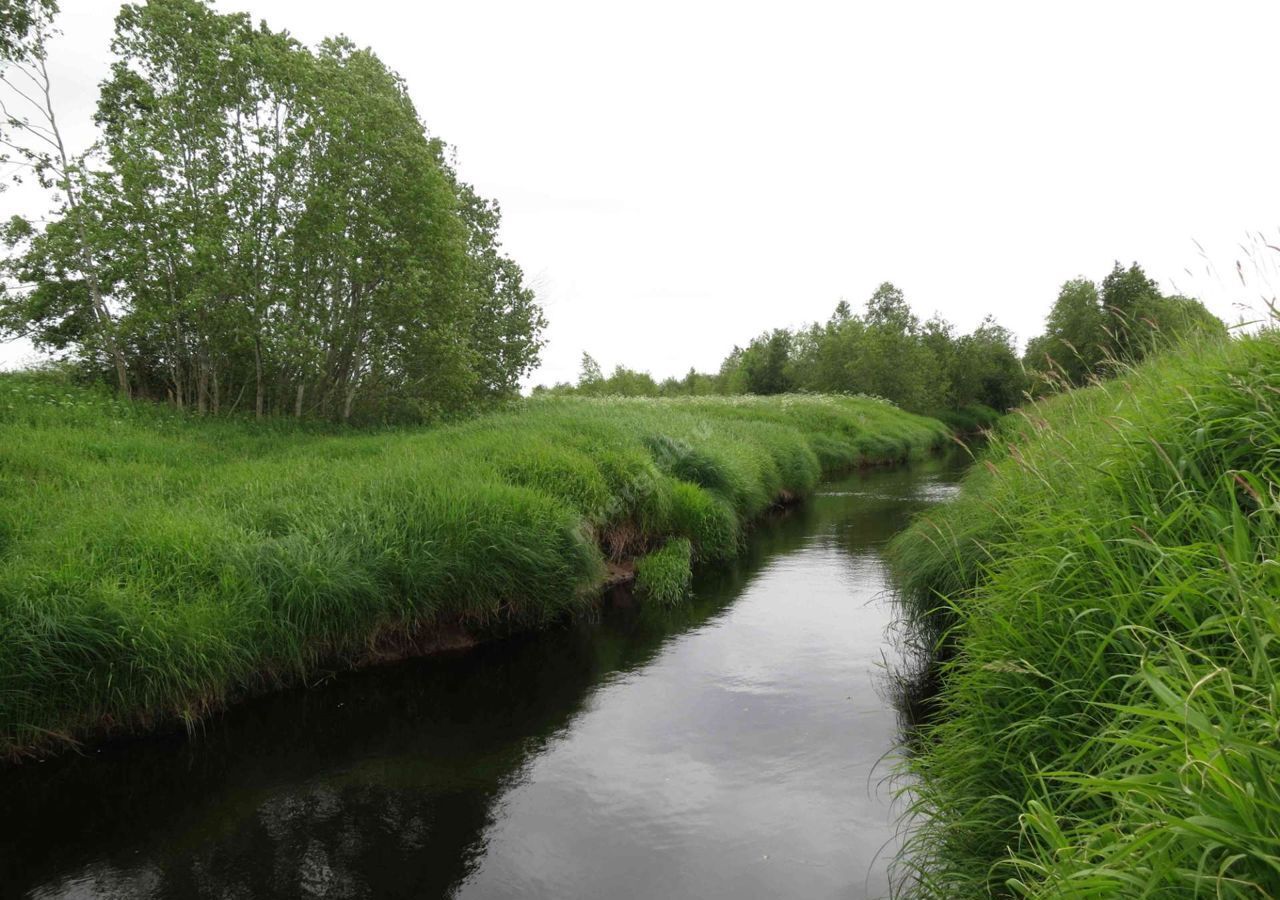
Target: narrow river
point(732, 748)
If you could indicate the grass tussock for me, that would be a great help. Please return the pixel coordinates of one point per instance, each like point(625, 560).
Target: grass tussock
point(665, 574)
point(1106, 596)
point(153, 565)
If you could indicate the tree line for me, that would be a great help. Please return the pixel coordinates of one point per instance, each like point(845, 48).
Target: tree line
point(1094, 330)
point(260, 226)
point(263, 226)
point(929, 367)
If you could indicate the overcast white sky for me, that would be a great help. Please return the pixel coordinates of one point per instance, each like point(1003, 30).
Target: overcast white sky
point(677, 177)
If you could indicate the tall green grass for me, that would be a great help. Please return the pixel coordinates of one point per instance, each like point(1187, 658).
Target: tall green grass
point(1105, 596)
point(665, 574)
point(153, 565)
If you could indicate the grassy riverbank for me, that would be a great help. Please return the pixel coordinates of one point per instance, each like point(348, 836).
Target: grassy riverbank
point(153, 565)
point(1107, 589)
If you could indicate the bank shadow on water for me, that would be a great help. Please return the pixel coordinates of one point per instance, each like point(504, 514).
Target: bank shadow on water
point(391, 781)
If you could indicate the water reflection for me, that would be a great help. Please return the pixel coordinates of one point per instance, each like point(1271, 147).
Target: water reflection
point(723, 749)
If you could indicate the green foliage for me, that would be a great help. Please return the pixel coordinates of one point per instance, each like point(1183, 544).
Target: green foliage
point(623, 382)
point(20, 22)
point(928, 368)
point(763, 366)
point(590, 374)
point(693, 384)
point(885, 353)
point(1074, 337)
point(969, 419)
point(664, 575)
point(888, 309)
point(1103, 591)
point(982, 368)
point(1092, 333)
point(888, 353)
point(274, 230)
point(155, 564)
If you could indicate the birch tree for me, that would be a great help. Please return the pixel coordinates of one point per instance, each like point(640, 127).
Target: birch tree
point(33, 140)
point(279, 231)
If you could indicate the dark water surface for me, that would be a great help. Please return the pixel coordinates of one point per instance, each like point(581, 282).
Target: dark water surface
point(731, 748)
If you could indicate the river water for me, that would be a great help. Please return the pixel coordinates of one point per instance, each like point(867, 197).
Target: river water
point(739, 746)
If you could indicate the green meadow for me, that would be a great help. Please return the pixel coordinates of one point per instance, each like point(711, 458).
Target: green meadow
point(1104, 596)
point(155, 566)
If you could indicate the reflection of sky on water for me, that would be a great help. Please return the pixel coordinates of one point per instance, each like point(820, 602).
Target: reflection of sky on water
point(741, 758)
